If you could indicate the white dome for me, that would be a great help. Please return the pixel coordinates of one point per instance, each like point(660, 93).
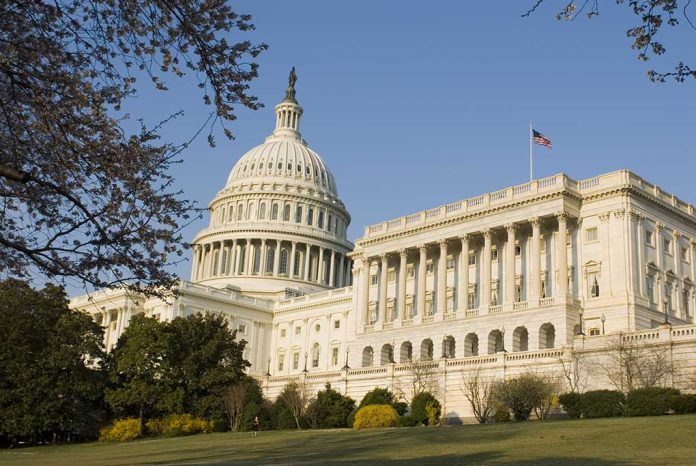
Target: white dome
point(284, 159)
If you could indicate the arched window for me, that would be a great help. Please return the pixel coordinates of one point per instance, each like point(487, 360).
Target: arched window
point(262, 212)
point(240, 212)
point(257, 260)
point(520, 339)
point(367, 356)
point(448, 347)
point(298, 214)
point(321, 220)
point(406, 353)
point(328, 224)
point(386, 355)
point(547, 336)
point(251, 212)
point(270, 257)
point(495, 341)
point(426, 350)
point(223, 267)
point(298, 256)
point(230, 214)
point(286, 213)
point(274, 212)
point(594, 286)
point(471, 345)
point(310, 215)
point(315, 355)
point(283, 262)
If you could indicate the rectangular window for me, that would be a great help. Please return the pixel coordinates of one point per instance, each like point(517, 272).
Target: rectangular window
point(649, 237)
point(373, 279)
point(410, 271)
point(281, 362)
point(668, 247)
point(429, 267)
point(242, 329)
point(594, 285)
point(649, 282)
point(472, 258)
point(542, 243)
point(334, 356)
point(494, 254)
point(684, 254)
point(295, 360)
point(409, 310)
point(450, 304)
point(391, 275)
point(282, 333)
point(450, 263)
point(591, 235)
point(518, 250)
point(298, 330)
point(685, 302)
point(337, 324)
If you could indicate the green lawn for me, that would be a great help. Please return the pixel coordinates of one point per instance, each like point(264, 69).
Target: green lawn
point(655, 440)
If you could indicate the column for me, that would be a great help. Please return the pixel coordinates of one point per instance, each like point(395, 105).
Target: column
point(262, 264)
point(383, 288)
point(293, 251)
point(677, 285)
point(321, 269)
point(276, 259)
point(562, 255)
point(194, 263)
point(660, 256)
point(341, 270)
point(365, 295)
point(485, 298)
point(423, 250)
point(640, 247)
point(401, 300)
point(442, 279)
point(237, 258)
point(509, 297)
point(308, 253)
point(248, 260)
point(535, 270)
point(692, 243)
point(218, 267)
point(463, 283)
point(332, 266)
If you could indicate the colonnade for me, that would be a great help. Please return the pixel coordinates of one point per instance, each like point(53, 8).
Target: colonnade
point(271, 258)
point(432, 304)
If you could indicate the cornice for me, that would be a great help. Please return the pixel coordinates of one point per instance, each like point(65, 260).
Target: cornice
point(203, 235)
point(309, 306)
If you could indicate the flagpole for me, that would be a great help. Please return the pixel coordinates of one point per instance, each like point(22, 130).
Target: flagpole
point(531, 153)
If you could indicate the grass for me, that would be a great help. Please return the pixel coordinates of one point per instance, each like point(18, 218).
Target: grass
point(619, 441)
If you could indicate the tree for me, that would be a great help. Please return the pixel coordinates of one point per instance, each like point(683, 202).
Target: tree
point(296, 397)
point(51, 378)
point(526, 393)
point(84, 197)
point(478, 390)
point(654, 15)
point(330, 409)
point(575, 371)
point(203, 361)
point(138, 371)
point(628, 364)
point(243, 401)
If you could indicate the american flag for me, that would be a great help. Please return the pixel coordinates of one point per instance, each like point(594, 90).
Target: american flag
point(541, 139)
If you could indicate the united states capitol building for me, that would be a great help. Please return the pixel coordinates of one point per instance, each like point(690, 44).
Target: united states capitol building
point(509, 281)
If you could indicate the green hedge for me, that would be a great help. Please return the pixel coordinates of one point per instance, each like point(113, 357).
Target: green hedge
point(571, 404)
point(602, 403)
point(684, 403)
point(650, 401)
point(419, 404)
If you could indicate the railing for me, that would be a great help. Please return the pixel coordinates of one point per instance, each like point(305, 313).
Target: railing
point(519, 306)
point(427, 319)
point(388, 325)
point(546, 301)
point(450, 316)
point(471, 313)
point(369, 328)
point(406, 322)
point(495, 309)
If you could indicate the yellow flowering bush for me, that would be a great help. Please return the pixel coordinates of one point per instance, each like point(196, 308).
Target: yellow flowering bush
point(122, 430)
point(372, 416)
point(176, 425)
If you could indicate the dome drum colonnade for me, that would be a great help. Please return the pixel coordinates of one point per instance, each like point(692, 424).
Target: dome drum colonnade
point(278, 217)
point(438, 304)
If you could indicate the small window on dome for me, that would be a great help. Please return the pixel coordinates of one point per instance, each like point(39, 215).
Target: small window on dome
point(244, 168)
point(280, 166)
point(299, 168)
point(290, 166)
point(307, 170)
point(261, 166)
point(253, 165)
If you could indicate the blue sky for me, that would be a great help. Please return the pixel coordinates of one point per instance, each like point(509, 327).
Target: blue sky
point(413, 105)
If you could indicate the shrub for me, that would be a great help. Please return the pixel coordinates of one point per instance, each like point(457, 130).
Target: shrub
point(382, 396)
point(372, 416)
point(684, 404)
point(525, 393)
point(602, 403)
point(419, 407)
point(501, 413)
point(330, 409)
point(650, 401)
point(407, 421)
point(122, 430)
point(176, 425)
point(432, 410)
point(571, 404)
point(282, 416)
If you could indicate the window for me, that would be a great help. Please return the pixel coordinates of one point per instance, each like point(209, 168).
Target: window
point(668, 246)
point(429, 267)
point(262, 212)
point(230, 215)
point(472, 258)
point(257, 260)
point(283, 262)
point(298, 256)
point(315, 355)
point(310, 215)
point(450, 303)
point(283, 332)
point(684, 254)
point(542, 243)
point(391, 275)
point(286, 213)
point(298, 214)
point(270, 257)
point(685, 302)
point(334, 356)
point(373, 279)
point(429, 307)
point(593, 332)
point(542, 292)
point(494, 254)
point(295, 360)
point(321, 220)
point(242, 329)
point(410, 271)
point(328, 224)
point(240, 213)
point(591, 235)
point(668, 295)
point(298, 330)
point(471, 300)
point(649, 237)
point(281, 362)
point(450, 263)
point(337, 324)
point(518, 250)
point(650, 285)
point(317, 328)
point(594, 286)
point(408, 309)
point(274, 212)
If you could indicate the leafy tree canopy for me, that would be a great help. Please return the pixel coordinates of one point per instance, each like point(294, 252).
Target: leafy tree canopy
point(47, 387)
point(83, 198)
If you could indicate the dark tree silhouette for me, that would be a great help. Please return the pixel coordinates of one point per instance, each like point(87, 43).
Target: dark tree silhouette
point(81, 197)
